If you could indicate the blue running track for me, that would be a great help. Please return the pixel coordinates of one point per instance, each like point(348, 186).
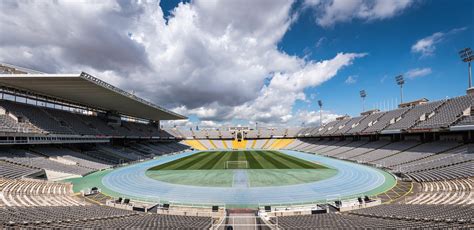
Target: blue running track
point(351, 180)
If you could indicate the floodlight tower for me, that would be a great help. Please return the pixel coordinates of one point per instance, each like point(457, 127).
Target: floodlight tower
point(466, 56)
point(400, 81)
point(363, 94)
point(320, 103)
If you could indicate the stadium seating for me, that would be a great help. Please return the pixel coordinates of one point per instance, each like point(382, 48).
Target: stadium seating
point(457, 191)
point(416, 153)
point(29, 192)
point(362, 220)
point(410, 118)
point(97, 217)
point(12, 170)
point(385, 120)
point(448, 113)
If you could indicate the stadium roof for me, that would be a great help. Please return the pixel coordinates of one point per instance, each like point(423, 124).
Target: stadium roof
point(86, 90)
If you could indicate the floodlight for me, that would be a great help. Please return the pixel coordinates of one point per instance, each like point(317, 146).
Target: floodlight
point(400, 81)
point(466, 56)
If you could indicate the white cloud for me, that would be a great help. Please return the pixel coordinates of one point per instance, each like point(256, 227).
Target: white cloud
point(330, 12)
point(427, 46)
point(208, 58)
point(352, 79)
point(417, 72)
point(320, 42)
point(312, 118)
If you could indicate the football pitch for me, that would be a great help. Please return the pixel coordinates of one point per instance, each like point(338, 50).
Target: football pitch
point(251, 159)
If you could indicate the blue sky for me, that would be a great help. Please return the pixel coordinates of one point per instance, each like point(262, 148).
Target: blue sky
point(239, 62)
point(388, 44)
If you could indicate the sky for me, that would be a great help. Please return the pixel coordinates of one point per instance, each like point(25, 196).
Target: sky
point(229, 63)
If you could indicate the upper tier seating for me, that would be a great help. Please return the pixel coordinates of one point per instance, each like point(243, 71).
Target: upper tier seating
point(388, 118)
point(365, 123)
point(8, 124)
point(410, 118)
point(448, 113)
point(36, 116)
point(336, 127)
point(349, 125)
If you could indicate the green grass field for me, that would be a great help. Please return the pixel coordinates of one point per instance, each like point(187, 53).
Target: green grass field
point(216, 160)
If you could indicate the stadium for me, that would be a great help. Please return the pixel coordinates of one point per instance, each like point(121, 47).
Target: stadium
point(77, 151)
point(69, 160)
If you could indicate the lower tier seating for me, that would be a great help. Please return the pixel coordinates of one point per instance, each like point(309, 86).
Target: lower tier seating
point(459, 191)
point(29, 192)
point(97, 217)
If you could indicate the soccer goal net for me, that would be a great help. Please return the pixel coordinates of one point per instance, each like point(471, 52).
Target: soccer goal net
point(236, 164)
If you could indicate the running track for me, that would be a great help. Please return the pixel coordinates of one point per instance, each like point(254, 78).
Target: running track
point(352, 179)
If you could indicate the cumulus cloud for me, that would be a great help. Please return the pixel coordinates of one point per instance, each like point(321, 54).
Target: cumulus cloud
point(427, 45)
point(352, 79)
point(417, 72)
point(213, 59)
point(312, 118)
point(330, 12)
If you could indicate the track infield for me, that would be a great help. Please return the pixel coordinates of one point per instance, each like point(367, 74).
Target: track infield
point(254, 159)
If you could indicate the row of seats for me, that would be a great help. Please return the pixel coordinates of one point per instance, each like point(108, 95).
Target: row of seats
point(29, 192)
point(457, 191)
point(433, 115)
point(77, 160)
point(436, 213)
point(36, 119)
point(184, 133)
point(12, 170)
point(30, 159)
point(97, 217)
point(379, 217)
point(438, 160)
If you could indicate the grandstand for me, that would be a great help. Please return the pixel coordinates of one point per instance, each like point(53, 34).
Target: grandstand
point(57, 129)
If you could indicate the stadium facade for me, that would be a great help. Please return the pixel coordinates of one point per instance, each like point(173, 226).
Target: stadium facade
point(74, 152)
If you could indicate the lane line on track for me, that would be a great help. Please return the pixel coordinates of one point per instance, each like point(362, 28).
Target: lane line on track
point(351, 179)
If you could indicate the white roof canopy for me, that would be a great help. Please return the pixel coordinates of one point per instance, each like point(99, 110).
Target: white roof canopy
point(86, 90)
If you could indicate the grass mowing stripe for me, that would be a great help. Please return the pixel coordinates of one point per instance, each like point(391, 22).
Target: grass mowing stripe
point(242, 156)
point(234, 156)
point(297, 162)
point(210, 164)
point(258, 155)
point(301, 162)
point(221, 163)
point(191, 163)
point(277, 164)
point(282, 160)
point(253, 163)
point(204, 161)
point(176, 163)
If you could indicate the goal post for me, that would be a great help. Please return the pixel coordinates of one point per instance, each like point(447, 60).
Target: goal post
point(236, 165)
